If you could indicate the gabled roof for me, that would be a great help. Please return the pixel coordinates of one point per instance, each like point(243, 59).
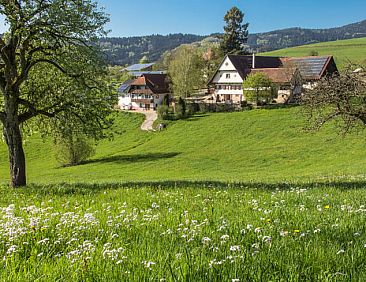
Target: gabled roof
point(157, 83)
point(313, 67)
point(245, 63)
point(277, 75)
point(138, 67)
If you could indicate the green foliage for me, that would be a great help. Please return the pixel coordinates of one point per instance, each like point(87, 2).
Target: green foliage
point(127, 50)
point(192, 108)
point(116, 76)
point(51, 75)
point(144, 60)
point(290, 37)
point(180, 108)
point(185, 70)
point(166, 100)
point(236, 33)
point(73, 149)
point(163, 112)
point(258, 88)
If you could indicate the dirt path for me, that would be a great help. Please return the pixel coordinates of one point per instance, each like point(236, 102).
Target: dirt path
point(150, 117)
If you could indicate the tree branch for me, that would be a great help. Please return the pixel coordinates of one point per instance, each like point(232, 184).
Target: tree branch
point(33, 111)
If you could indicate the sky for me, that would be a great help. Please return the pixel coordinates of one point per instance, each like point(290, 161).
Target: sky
point(203, 17)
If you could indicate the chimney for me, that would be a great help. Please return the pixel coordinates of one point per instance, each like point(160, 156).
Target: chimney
point(253, 62)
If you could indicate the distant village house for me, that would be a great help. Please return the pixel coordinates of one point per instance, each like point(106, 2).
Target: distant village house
point(143, 93)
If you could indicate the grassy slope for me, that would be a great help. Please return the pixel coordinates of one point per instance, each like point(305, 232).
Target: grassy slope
point(344, 51)
point(260, 145)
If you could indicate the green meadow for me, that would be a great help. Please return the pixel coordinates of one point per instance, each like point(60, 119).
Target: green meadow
point(344, 51)
point(243, 196)
point(255, 146)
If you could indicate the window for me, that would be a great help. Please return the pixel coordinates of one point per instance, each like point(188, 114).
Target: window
point(228, 75)
point(220, 87)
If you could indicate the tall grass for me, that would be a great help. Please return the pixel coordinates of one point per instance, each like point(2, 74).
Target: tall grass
point(95, 233)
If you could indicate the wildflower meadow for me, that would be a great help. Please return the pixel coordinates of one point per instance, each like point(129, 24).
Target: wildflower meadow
point(96, 233)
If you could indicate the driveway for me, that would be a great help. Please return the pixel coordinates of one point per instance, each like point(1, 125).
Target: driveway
point(150, 117)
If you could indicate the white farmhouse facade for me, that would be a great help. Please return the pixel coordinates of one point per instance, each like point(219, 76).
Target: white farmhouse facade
point(147, 92)
point(228, 83)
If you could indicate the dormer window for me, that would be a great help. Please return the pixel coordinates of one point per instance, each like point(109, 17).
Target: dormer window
point(227, 75)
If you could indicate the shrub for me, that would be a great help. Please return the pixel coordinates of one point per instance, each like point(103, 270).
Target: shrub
point(180, 108)
point(73, 150)
point(203, 108)
point(163, 112)
point(192, 108)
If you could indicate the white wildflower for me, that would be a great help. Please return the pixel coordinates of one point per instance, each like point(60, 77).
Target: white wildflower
point(341, 251)
point(234, 248)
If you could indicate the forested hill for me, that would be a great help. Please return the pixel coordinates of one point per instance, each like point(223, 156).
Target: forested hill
point(291, 37)
point(129, 50)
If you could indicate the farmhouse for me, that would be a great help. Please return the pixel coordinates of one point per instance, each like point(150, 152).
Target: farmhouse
point(145, 92)
point(288, 74)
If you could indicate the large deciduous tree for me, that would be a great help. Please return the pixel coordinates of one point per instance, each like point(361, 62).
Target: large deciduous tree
point(50, 75)
point(236, 33)
point(186, 71)
point(341, 97)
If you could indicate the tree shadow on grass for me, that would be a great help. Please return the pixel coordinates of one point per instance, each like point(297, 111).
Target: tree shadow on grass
point(121, 159)
point(63, 189)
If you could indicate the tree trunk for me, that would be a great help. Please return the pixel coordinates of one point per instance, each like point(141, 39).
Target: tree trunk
point(13, 138)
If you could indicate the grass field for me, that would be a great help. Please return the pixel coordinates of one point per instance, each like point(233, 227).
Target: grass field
point(244, 196)
point(260, 145)
point(94, 233)
point(344, 51)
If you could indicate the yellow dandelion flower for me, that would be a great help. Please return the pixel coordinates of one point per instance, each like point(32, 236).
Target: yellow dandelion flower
point(296, 231)
point(327, 207)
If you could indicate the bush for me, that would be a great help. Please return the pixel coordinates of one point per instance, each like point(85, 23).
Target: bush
point(243, 103)
point(163, 112)
point(192, 108)
point(73, 150)
point(203, 108)
point(180, 108)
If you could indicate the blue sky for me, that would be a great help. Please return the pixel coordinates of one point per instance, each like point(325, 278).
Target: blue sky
point(144, 17)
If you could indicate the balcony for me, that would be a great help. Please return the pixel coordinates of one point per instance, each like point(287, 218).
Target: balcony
point(143, 101)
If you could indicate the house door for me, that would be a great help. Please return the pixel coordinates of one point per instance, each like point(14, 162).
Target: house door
point(147, 106)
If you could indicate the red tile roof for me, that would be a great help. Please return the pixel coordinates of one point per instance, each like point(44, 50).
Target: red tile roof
point(156, 83)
